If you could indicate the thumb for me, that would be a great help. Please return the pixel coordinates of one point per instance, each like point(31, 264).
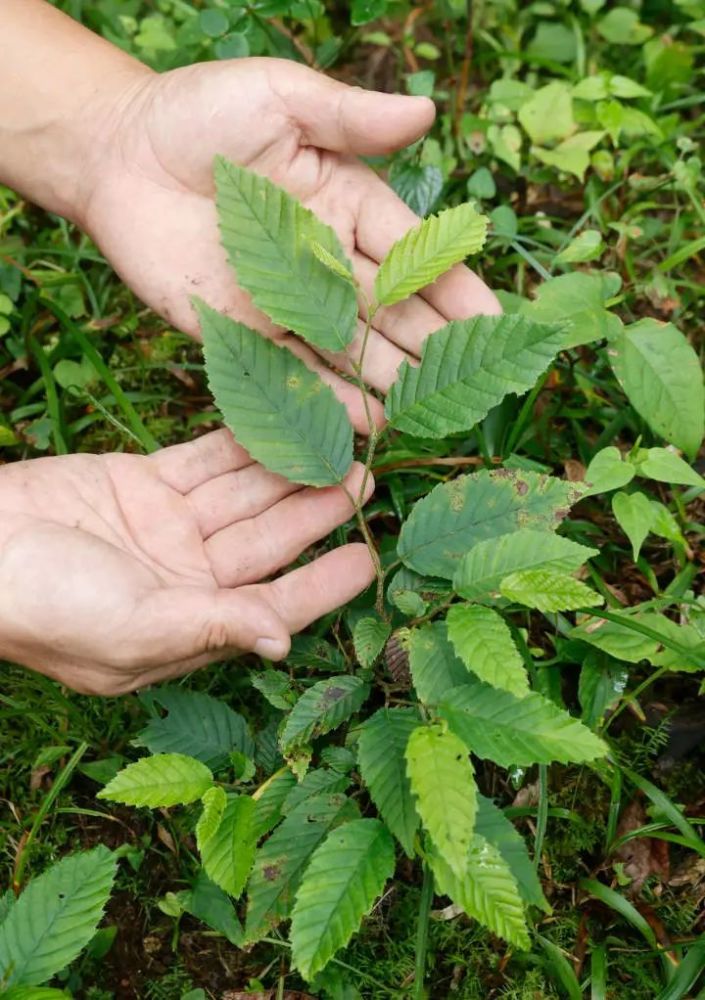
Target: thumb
point(346, 119)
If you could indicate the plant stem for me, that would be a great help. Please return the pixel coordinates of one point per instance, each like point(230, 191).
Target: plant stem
point(422, 933)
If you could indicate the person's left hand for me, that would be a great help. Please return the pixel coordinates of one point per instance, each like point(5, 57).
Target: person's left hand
point(150, 206)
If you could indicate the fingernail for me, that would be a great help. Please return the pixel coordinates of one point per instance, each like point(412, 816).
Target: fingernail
point(270, 649)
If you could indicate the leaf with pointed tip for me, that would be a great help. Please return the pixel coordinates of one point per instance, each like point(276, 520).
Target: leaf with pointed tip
point(548, 591)
point(275, 406)
point(369, 637)
point(344, 878)
point(214, 803)
point(429, 250)
point(635, 515)
point(467, 368)
point(268, 237)
point(270, 798)
point(435, 668)
point(493, 825)
point(484, 643)
point(166, 779)
point(228, 854)
point(321, 708)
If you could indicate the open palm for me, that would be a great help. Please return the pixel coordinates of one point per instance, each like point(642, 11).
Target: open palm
point(118, 571)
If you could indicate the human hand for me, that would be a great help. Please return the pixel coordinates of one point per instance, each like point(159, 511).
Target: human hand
point(150, 205)
point(118, 571)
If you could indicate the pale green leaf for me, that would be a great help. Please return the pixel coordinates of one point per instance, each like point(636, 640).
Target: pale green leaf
point(484, 643)
point(321, 708)
point(635, 515)
point(332, 263)
point(268, 236)
point(487, 892)
point(548, 116)
point(548, 590)
point(278, 409)
point(608, 471)
point(34, 993)
point(55, 917)
point(369, 637)
point(344, 878)
point(619, 640)
point(228, 854)
point(505, 142)
point(429, 250)
point(166, 779)
point(382, 762)
point(457, 515)
point(467, 368)
point(578, 299)
point(573, 157)
point(214, 803)
point(666, 467)
point(621, 26)
point(481, 571)
point(661, 375)
point(280, 862)
point(532, 730)
point(435, 668)
point(586, 246)
point(493, 825)
point(269, 799)
point(443, 782)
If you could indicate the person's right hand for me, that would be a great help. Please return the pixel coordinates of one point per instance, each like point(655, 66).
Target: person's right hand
point(119, 571)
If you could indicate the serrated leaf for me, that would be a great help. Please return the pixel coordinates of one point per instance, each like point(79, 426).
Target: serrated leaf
point(322, 708)
point(228, 855)
point(320, 781)
point(457, 515)
point(487, 891)
point(435, 669)
point(275, 686)
point(493, 825)
point(331, 262)
point(429, 250)
point(369, 637)
point(278, 409)
point(418, 185)
point(468, 367)
point(344, 878)
point(661, 375)
point(635, 515)
point(196, 724)
point(481, 571)
point(532, 730)
point(269, 800)
point(548, 591)
point(55, 917)
point(443, 782)
point(214, 803)
point(268, 235)
point(484, 643)
point(280, 862)
point(166, 779)
point(608, 471)
point(382, 762)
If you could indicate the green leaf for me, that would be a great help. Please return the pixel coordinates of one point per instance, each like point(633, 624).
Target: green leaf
point(382, 762)
point(481, 571)
point(209, 903)
point(280, 862)
point(487, 891)
point(603, 680)
point(418, 185)
point(167, 779)
point(331, 262)
point(34, 993)
point(587, 246)
point(532, 730)
point(608, 471)
point(344, 878)
point(467, 368)
point(493, 825)
point(548, 116)
point(661, 375)
point(635, 516)
point(275, 406)
point(428, 250)
point(619, 640)
point(443, 782)
point(269, 800)
point(666, 467)
point(484, 643)
point(369, 636)
point(214, 803)
point(228, 854)
point(457, 515)
point(578, 298)
point(268, 236)
point(55, 917)
point(572, 157)
point(322, 708)
point(621, 26)
point(435, 668)
point(320, 781)
point(195, 724)
point(547, 590)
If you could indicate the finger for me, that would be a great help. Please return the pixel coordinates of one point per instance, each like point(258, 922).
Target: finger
point(383, 218)
point(186, 466)
point(251, 550)
point(380, 363)
point(236, 496)
point(335, 116)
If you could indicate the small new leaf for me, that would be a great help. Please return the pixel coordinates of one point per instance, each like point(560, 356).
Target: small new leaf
point(214, 803)
point(166, 779)
point(332, 263)
point(369, 637)
point(548, 591)
point(484, 643)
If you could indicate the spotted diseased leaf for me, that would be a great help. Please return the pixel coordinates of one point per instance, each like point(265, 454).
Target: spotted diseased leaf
point(344, 878)
point(381, 758)
point(55, 918)
point(228, 854)
point(484, 643)
point(429, 250)
point(322, 708)
point(497, 726)
point(547, 590)
point(214, 803)
point(166, 779)
point(443, 782)
point(493, 825)
point(457, 515)
point(467, 368)
point(281, 860)
point(276, 407)
point(487, 891)
point(369, 637)
point(268, 236)
point(435, 668)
